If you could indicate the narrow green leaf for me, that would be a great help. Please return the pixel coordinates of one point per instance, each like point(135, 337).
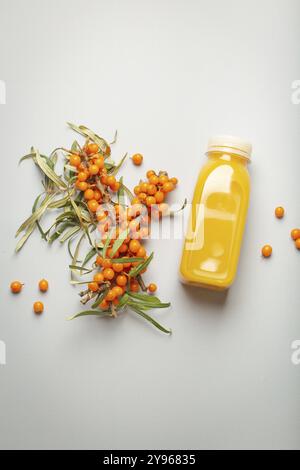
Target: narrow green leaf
point(126, 260)
point(89, 256)
point(121, 194)
point(86, 132)
point(25, 237)
point(37, 214)
point(150, 319)
point(119, 242)
point(100, 297)
point(80, 268)
point(49, 172)
point(70, 233)
point(137, 269)
point(107, 242)
point(118, 166)
point(84, 313)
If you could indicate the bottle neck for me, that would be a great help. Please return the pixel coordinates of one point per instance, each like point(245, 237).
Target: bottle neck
point(227, 157)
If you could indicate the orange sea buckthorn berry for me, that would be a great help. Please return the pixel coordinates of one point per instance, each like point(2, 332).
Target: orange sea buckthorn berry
point(141, 253)
point(135, 200)
point(103, 305)
point(89, 194)
point(98, 277)
point(144, 187)
point(295, 233)
point(117, 267)
point(150, 173)
point(297, 243)
point(99, 161)
point(38, 307)
point(153, 180)
point(99, 260)
point(123, 248)
point(43, 285)
point(75, 160)
point(162, 179)
point(116, 301)
point(108, 274)
point(93, 286)
point(81, 185)
point(109, 253)
point(142, 196)
point(152, 189)
point(97, 194)
point(91, 149)
point(115, 187)
point(150, 201)
point(279, 212)
point(16, 287)
point(82, 176)
point(152, 287)
point(121, 280)
point(137, 159)
point(101, 215)
point(174, 181)
point(137, 189)
point(266, 251)
point(168, 187)
point(93, 205)
point(107, 150)
point(111, 180)
point(110, 295)
point(159, 197)
point(93, 169)
point(103, 179)
point(134, 286)
point(106, 263)
point(82, 167)
point(134, 246)
point(117, 291)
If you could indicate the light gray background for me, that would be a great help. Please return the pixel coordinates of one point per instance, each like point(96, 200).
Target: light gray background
point(167, 74)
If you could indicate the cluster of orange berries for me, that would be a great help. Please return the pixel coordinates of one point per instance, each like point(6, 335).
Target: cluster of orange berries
point(38, 306)
point(90, 166)
point(135, 220)
point(152, 192)
point(115, 275)
point(266, 250)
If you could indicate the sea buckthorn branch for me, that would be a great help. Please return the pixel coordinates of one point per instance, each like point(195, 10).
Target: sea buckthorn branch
point(91, 200)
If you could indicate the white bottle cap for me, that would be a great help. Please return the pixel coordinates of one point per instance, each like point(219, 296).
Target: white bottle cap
point(231, 144)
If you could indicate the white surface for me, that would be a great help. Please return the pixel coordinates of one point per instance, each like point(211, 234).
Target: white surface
point(167, 75)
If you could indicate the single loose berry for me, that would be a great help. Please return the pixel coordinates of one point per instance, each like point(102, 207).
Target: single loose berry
point(16, 287)
point(38, 307)
point(279, 212)
point(266, 251)
point(152, 287)
point(297, 243)
point(43, 285)
point(137, 159)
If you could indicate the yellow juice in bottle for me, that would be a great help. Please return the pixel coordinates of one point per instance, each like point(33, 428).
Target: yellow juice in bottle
point(218, 215)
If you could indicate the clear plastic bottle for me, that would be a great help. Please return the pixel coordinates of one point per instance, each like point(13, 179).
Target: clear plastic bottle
point(218, 215)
